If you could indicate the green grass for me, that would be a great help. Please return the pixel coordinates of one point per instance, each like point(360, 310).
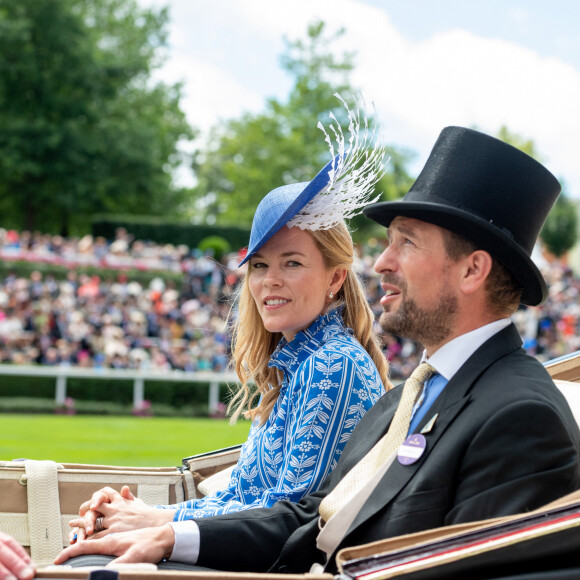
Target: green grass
point(129, 441)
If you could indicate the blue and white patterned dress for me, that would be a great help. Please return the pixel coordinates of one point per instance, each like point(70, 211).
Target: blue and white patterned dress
point(329, 383)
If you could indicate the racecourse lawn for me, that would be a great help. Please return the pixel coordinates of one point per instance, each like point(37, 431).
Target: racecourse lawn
point(129, 441)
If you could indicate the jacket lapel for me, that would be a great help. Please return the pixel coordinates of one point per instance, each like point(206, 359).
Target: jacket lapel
point(447, 406)
point(397, 476)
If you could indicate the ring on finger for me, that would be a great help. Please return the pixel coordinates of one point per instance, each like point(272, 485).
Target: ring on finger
point(99, 524)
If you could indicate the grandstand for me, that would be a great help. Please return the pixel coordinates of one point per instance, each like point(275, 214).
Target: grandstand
point(104, 321)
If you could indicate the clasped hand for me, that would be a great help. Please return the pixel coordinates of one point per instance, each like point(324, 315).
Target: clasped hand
point(115, 512)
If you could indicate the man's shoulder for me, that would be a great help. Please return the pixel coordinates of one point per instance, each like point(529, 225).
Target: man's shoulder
point(502, 357)
point(517, 378)
point(519, 368)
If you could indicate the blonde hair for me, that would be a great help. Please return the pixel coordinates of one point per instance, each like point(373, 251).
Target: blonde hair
point(253, 345)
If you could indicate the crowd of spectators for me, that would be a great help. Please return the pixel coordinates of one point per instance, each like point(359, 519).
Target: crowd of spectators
point(113, 321)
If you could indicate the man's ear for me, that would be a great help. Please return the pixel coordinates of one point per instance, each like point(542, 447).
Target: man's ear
point(477, 267)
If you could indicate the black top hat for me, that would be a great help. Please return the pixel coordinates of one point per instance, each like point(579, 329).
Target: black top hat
point(486, 191)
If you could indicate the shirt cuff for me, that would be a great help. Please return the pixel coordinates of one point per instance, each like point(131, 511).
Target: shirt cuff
point(186, 548)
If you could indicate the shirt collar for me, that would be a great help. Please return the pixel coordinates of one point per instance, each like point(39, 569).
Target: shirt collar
point(289, 355)
point(451, 356)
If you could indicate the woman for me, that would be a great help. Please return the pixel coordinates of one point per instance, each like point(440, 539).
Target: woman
point(303, 337)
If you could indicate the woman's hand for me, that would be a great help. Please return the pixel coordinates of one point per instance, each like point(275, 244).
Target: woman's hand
point(110, 511)
point(146, 545)
point(14, 561)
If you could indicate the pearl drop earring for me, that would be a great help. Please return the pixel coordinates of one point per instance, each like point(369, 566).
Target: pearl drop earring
point(331, 295)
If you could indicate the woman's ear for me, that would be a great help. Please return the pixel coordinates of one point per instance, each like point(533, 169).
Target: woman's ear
point(337, 280)
point(477, 267)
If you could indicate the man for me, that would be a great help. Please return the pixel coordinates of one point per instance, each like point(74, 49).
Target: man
point(490, 433)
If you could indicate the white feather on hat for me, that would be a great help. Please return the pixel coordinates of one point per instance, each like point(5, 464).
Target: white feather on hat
point(339, 191)
point(352, 180)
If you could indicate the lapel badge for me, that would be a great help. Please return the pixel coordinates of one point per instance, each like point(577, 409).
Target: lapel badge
point(430, 424)
point(411, 449)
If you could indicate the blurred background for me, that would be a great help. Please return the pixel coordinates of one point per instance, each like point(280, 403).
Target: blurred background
point(137, 138)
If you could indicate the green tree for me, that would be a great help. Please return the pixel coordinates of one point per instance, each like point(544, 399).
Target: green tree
point(84, 130)
point(247, 157)
point(522, 143)
point(560, 232)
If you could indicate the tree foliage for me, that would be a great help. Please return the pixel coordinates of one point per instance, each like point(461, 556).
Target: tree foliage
point(83, 128)
point(560, 232)
point(522, 143)
point(246, 158)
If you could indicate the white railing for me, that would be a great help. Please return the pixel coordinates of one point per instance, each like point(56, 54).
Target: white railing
point(61, 374)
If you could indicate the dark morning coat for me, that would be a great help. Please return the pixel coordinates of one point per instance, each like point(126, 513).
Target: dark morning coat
point(504, 442)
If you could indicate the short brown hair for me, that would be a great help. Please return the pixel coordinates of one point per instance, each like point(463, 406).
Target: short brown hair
point(503, 290)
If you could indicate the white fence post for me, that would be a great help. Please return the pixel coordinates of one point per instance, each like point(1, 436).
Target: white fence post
point(138, 392)
point(60, 394)
point(214, 396)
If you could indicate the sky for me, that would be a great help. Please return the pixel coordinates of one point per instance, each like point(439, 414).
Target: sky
point(425, 64)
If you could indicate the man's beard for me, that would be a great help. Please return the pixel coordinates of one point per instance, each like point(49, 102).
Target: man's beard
point(426, 326)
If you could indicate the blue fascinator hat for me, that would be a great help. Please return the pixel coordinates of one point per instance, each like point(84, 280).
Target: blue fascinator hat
point(279, 206)
point(339, 191)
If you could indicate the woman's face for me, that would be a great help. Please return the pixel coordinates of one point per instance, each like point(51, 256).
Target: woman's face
point(290, 282)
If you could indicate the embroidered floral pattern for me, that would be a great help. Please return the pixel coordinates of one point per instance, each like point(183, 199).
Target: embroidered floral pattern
point(329, 383)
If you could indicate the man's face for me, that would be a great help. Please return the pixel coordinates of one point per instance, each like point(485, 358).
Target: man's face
point(420, 283)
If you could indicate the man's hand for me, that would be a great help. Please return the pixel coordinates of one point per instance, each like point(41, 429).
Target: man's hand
point(146, 545)
point(14, 561)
